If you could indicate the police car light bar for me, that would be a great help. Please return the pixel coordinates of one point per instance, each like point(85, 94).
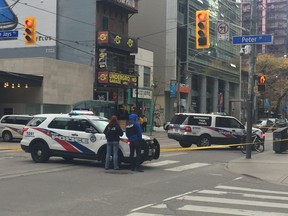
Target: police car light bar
point(81, 112)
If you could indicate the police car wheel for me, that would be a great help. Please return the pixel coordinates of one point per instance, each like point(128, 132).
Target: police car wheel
point(40, 152)
point(204, 140)
point(7, 136)
point(185, 144)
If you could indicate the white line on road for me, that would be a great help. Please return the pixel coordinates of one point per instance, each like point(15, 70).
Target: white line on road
point(234, 201)
point(229, 211)
point(250, 190)
point(244, 195)
point(162, 163)
point(187, 167)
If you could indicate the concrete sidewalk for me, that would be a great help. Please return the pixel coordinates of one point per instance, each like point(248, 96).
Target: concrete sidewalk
point(267, 166)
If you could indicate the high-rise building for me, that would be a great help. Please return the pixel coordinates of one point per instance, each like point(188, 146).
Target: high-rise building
point(207, 80)
point(271, 19)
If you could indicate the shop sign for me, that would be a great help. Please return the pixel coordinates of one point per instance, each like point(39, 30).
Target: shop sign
point(117, 41)
point(118, 79)
point(102, 59)
point(142, 93)
point(184, 88)
point(101, 96)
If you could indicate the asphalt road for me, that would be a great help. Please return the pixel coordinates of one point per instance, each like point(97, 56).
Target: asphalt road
point(179, 183)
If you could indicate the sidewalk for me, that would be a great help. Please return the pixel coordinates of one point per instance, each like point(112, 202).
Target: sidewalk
point(267, 166)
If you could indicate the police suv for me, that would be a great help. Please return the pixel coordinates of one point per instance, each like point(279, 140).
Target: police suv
point(76, 135)
point(207, 129)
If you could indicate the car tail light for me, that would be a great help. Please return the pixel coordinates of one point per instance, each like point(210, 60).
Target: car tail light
point(24, 129)
point(186, 129)
point(126, 141)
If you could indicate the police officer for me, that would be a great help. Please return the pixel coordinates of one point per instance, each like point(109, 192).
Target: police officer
point(134, 134)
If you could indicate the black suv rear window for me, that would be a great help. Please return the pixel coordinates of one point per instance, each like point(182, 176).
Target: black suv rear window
point(199, 120)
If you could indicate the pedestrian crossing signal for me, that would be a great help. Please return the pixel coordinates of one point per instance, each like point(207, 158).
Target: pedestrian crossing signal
point(261, 80)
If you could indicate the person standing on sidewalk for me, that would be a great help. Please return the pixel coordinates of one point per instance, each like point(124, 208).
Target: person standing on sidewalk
point(145, 121)
point(134, 134)
point(113, 132)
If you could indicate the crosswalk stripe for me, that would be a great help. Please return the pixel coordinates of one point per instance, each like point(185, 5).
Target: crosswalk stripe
point(244, 195)
point(234, 201)
point(145, 214)
point(229, 211)
point(187, 167)
point(162, 163)
point(250, 189)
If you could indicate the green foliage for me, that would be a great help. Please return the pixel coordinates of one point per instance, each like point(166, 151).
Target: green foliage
point(276, 70)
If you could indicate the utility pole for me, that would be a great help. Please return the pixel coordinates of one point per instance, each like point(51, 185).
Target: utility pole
point(251, 81)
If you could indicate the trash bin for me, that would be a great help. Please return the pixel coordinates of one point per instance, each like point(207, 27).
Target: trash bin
point(280, 140)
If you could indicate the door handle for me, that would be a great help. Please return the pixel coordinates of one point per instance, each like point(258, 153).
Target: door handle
point(74, 134)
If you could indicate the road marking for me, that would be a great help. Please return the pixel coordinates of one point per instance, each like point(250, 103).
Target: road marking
point(229, 211)
point(244, 195)
point(169, 154)
point(250, 190)
point(234, 201)
point(187, 167)
point(161, 163)
point(145, 214)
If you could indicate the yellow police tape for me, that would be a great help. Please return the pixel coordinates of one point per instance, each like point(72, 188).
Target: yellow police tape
point(3, 148)
point(211, 147)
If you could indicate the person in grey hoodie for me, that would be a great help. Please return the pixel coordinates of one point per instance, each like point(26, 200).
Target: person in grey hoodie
point(134, 134)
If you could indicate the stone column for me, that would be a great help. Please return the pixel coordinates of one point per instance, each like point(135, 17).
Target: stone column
point(215, 94)
point(203, 94)
point(226, 97)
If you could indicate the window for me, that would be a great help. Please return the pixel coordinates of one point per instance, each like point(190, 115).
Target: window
point(22, 120)
point(61, 123)
point(120, 27)
point(9, 120)
point(199, 120)
point(80, 125)
point(116, 63)
point(146, 77)
point(105, 23)
point(36, 121)
point(227, 122)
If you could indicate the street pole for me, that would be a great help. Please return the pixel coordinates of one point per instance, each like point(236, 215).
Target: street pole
point(251, 81)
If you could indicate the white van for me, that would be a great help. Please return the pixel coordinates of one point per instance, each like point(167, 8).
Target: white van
point(11, 126)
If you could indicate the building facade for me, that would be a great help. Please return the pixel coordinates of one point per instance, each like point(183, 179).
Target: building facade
point(92, 36)
point(271, 19)
point(211, 75)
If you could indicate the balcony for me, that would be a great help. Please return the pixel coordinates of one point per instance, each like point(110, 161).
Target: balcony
point(107, 39)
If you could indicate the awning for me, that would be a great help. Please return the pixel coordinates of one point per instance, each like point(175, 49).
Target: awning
point(22, 79)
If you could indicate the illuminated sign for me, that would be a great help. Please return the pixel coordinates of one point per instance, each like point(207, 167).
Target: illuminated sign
point(118, 79)
point(109, 39)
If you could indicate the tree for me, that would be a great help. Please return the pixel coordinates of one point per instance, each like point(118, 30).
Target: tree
point(276, 70)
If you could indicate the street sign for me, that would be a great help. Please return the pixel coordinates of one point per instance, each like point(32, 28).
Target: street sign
point(8, 35)
point(222, 30)
point(252, 39)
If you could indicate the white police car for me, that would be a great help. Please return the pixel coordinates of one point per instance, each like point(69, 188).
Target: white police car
point(76, 136)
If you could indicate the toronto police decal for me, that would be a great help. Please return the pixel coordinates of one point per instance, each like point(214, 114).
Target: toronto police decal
point(93, 138)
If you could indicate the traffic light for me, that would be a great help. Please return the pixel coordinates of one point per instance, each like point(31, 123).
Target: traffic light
point(202, 29)
point(30, 30)
point(261, 83)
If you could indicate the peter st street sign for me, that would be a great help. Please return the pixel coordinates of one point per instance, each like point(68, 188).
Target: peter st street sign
point(252, 39)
